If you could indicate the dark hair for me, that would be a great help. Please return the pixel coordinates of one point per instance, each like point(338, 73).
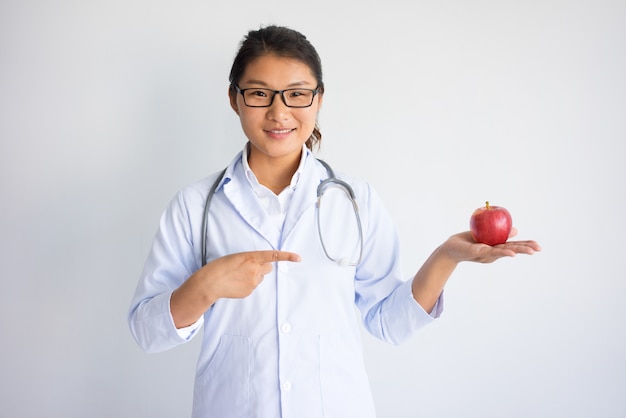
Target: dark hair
point(281, 42)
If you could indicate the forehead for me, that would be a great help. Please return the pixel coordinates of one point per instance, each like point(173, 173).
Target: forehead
point(277, 72)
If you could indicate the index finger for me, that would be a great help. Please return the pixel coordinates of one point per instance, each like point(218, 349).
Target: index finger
point(272, 256)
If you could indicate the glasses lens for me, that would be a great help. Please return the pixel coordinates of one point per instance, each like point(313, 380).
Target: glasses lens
point(298, 97)
point(338, 226)
point(258, 97)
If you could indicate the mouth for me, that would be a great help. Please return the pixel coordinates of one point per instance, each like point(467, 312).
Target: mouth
point(279, 131)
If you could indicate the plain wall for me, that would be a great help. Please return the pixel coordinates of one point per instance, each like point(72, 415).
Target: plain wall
point(107, 108)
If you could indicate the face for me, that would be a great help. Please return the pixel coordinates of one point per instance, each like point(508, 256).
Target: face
point(278, 131)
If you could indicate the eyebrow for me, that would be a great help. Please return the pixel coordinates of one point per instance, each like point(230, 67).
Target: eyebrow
point(264, 84)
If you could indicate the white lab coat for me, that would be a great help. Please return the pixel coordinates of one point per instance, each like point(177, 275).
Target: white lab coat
point(292, 348)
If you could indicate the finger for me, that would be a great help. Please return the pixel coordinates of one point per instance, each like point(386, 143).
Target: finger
point(499, 251)
point(523, 247)
point(534, 245)
point(274, 256)
point(513, 232)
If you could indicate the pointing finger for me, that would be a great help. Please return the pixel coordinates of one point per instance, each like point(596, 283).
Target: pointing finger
point(273, 256)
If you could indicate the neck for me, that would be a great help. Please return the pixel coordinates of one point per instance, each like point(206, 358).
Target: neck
point(275, 173)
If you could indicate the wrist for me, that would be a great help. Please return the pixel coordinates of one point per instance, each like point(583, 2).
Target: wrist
point(204, 288)
point(447, 255)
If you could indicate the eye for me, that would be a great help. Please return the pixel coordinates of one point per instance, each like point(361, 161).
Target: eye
point(300, 94)
point(257, 93)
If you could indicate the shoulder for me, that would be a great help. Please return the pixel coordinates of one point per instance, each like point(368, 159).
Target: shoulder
point(199, 189)
point(196, 193)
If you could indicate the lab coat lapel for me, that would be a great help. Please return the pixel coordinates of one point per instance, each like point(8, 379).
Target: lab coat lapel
point(305, 195)
point(241, 196)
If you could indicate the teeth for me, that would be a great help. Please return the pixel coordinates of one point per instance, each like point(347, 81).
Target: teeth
point(282, 131)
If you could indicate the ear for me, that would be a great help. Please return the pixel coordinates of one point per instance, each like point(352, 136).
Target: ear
point(232, 95)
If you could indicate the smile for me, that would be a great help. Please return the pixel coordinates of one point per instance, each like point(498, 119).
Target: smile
point(280, 131)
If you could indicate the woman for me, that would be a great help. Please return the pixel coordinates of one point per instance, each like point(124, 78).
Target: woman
point(280, 334)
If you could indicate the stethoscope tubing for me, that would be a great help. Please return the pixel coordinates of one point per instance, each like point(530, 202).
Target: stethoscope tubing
point(320, 191)
point(205, 218)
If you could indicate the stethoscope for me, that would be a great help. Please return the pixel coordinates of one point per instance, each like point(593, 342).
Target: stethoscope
point(331, 181)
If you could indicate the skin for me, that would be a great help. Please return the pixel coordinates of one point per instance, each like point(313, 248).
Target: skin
point(276, 135)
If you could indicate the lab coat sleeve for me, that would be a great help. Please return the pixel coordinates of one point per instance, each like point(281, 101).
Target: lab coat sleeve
point(383, 296)
point(169, 263)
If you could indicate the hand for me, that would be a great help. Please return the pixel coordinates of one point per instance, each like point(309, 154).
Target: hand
point(462, 247)
point(433, 275)
point(237, 275)
point(231, 276)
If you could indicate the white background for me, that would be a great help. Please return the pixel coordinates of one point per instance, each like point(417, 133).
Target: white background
point(107, 108)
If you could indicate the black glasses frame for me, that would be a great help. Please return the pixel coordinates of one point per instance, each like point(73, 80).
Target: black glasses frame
point(274, 93)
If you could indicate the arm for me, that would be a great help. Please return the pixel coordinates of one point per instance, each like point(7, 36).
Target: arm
point(431, 278)
point(173, 293)
point(392, 309)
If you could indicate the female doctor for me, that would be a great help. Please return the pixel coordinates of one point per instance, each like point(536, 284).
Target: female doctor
point(283, 272)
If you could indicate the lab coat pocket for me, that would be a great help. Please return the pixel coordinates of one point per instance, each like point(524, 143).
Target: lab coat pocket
point(222, 388)
point(344, 383)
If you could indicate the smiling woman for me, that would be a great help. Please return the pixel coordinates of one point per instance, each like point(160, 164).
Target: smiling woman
point(276, 129)
point(280, 335)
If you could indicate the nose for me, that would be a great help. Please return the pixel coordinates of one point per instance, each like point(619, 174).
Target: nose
point(278, 110)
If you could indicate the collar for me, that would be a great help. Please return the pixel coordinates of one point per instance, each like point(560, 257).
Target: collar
point(254, 182)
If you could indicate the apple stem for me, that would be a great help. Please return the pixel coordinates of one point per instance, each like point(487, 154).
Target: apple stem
point(487, 204)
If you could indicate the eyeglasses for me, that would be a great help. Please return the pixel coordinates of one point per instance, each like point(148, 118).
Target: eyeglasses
point(256, 97)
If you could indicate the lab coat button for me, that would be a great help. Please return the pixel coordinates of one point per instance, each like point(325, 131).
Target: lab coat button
point(287, 386)
point(286, 327)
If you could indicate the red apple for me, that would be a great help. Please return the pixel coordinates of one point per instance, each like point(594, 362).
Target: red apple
point(491, 225)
